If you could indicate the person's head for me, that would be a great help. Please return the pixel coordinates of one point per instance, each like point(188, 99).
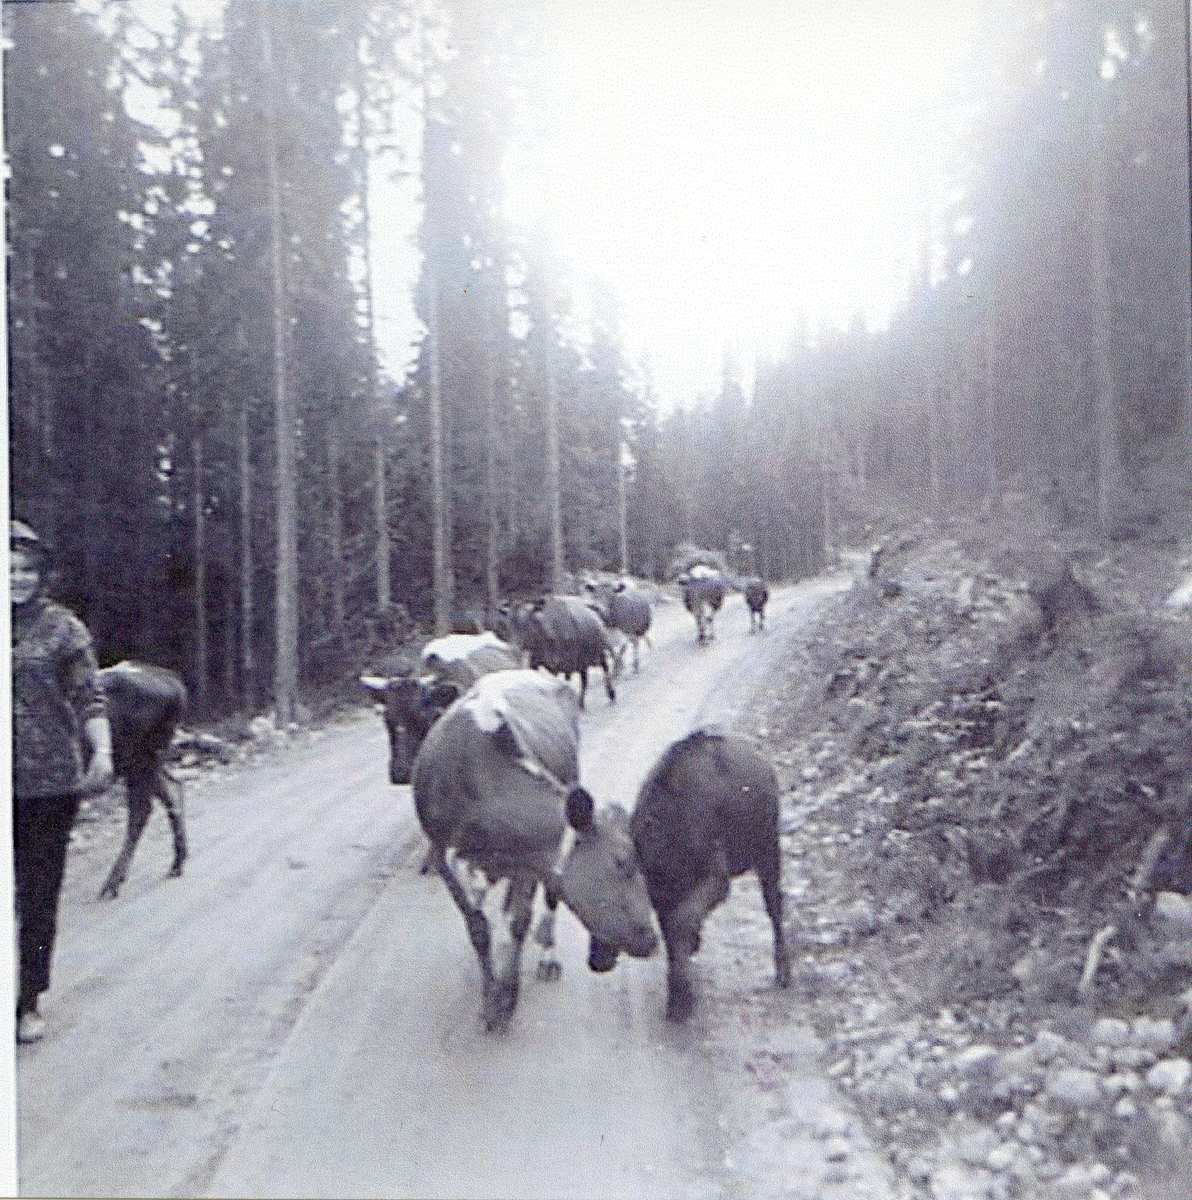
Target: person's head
point(28, 563)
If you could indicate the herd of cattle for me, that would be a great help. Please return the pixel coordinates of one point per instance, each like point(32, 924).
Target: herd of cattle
point(490, 744)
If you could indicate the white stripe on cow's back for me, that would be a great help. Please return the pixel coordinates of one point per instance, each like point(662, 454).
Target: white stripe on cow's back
point(454, 646)
point(542, 714)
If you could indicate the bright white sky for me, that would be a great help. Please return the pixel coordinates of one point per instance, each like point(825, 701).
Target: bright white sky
point(726, 166)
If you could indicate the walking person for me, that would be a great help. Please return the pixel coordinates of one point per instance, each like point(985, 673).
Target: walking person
point(61, 752)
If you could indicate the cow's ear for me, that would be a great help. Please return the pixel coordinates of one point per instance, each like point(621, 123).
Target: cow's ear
point(580, 807)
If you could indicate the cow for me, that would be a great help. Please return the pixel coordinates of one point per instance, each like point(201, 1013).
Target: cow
point(703, 594)
point(496, 782)
point(756, 595)
point(413, 703)
point(707, 811)
point(145, 704)
point(463, 657)
point(627, 609)
point(566, 636)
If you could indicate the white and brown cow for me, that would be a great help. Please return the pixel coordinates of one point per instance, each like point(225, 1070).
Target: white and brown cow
point(496, 783)
point(703, 593)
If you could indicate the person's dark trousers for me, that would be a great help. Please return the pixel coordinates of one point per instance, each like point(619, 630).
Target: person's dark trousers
point(42, 833)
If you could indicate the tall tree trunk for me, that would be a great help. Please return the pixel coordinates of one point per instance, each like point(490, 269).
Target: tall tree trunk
point(380, 505)
point(1186, 10)
point(201, 688)
point(1108, 464)
point(1030, 452)
point(336, 521)
point(622, 506)
point(444, 582)
point(43, 511)
point(860, 407)
point(934, 482)
point(553, 488)
point(492, 314)
point(517, 448)
point(829, 555)
point(381, 524)
point(229, 630)
point(248, 666)
point(285, 671)
point(91, 532)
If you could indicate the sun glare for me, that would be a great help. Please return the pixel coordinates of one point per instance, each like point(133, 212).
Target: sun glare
point(729, 168)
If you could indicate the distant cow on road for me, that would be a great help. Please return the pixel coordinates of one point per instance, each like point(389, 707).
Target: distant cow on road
point(756, 595)
point(566, 636)
point(627, 609)
point(145, 704)
point(496, 782)
point(703, 594)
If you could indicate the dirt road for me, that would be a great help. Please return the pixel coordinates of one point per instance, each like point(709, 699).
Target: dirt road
point(298, 1014)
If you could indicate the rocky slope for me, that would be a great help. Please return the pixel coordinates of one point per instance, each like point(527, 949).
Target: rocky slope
point(987, 832)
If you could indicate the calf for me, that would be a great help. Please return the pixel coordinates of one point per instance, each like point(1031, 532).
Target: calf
point(756, 595)
point(703, 594)
point(495, 781)
point(145, 704)
point(708, 811)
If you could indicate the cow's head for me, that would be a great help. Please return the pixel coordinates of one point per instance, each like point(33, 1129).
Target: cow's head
point(411, 706)
point(603, 885)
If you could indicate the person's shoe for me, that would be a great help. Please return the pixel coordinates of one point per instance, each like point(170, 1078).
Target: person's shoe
point(30, 1027)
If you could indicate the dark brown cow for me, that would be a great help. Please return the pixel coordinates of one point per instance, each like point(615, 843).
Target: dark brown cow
point(565, 635)
point(707, 811)
point(145, 704)
point(756, 595)
point(413, 703)
point(496, 782)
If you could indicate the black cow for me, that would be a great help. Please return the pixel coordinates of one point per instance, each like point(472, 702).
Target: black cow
point(145, 704)
point(413, 703)
point(627, 609)
point(566, 636)
point(703, 594)
point(411, 706)
point(707, 811)
point(756, 595)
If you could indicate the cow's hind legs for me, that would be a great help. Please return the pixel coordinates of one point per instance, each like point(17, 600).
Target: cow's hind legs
point(474, 919)
point(501, 999)
point(172, 800)
point(772, 895)
point(681, 929)
point(138, 816)
point(549, 966)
